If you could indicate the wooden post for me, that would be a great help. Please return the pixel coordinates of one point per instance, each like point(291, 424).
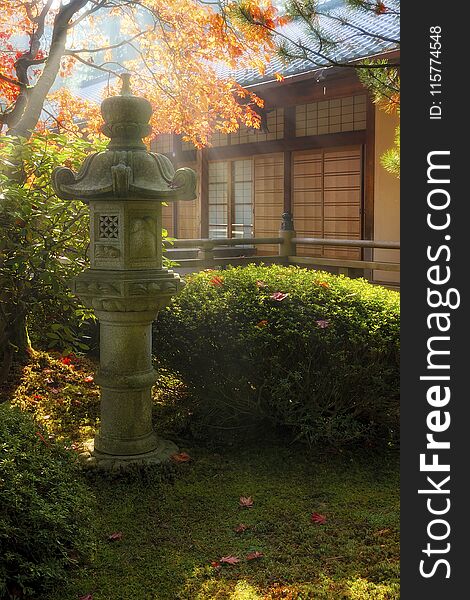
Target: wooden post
point(288, 181)
point(206, 254)
point(287, 233)
point(368, 184)
point(289, 134)
point(203, 189)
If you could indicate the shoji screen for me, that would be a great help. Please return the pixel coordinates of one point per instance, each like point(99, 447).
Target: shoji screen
point(327, 198)
point(269, 197)
point(218, 199)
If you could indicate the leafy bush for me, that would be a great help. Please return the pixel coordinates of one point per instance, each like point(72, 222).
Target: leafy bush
point(43, 245)
point(44, 508)
point(307, 351)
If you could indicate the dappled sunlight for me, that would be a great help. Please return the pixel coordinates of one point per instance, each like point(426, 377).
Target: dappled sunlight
point(244, 591)
point(202, 586)
point(61, 393)
point(176, 531)
point(182, 528)
point(361, 588)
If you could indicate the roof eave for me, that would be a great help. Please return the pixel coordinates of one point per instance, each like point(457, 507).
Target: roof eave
point(263, 85)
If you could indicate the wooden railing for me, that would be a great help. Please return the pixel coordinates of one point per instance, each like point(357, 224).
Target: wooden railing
point(287, 253)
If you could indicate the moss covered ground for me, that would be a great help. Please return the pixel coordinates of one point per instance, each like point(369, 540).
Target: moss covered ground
point(169, 529)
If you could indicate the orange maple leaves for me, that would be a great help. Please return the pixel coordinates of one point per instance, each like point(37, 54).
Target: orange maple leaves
point(182, 54)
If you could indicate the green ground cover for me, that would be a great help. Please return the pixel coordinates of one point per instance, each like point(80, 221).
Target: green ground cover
point(173, 531)
point(174, 527)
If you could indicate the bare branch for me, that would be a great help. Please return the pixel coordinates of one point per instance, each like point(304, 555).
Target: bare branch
point(307, 53)
point(94, 65)
point(41, 19)
point(365, 32)
point(73, 51)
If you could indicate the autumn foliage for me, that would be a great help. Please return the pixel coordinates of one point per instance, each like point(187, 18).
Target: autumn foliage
point(180, 53)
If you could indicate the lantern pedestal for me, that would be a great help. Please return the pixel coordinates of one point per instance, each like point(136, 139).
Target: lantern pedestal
point(126, 304)
point(93, 458)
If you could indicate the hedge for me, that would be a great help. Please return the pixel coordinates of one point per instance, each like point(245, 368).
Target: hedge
point(44, 508)
point(312, 354)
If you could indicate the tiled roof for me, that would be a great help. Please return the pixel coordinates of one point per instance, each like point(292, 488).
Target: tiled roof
point(357, 34)
point(341, 25)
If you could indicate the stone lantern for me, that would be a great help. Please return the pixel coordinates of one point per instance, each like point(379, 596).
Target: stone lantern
point(126, 284)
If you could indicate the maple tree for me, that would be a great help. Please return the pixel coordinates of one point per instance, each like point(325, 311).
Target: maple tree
point(175, 50)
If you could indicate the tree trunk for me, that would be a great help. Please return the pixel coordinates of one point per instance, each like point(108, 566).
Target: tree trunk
point(36, 96)
point(20, 339)
point(16, 345)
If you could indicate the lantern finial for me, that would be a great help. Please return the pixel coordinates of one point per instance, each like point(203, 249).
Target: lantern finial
point(126, 84)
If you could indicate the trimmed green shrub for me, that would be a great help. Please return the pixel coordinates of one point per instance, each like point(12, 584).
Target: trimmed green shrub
point(313, 353)
point(44, 508)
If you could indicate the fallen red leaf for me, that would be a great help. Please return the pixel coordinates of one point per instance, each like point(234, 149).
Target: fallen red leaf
point(254, 555)
point(318, 518)
point(215, 564)
point(181, 457)
point(66, 360)
point(246, 501)
point(88, 379)
point(278, 296)
point(229, 560)
point(42, 438)
point(241, 528)
point(216, 281)
point(114, 537)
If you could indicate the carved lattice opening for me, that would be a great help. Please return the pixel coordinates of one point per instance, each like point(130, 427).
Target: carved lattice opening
point(109, 227)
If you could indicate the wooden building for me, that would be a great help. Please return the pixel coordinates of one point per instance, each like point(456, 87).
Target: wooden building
point(318, 158)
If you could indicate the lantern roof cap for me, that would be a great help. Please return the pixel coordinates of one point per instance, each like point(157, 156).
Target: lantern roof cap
point(126, 170)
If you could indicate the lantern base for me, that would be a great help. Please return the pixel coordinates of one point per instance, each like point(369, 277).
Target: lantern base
point(94, 459)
